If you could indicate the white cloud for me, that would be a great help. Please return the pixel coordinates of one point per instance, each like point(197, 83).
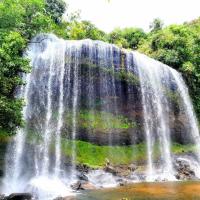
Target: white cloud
point(139, 13)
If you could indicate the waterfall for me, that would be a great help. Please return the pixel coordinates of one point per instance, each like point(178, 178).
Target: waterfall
point(60, 111)
point(82, 91)
point(192, 123)
point(13, 170)
point(47, 128)
point(156, 111)
point(75, 102)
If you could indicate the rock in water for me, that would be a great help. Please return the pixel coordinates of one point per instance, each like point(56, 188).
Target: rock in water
point(19, 196)
point(184, 171)
point(82, 177)
point(83, 185)
point(76, 186)
point(120, 170)
point(87, 186)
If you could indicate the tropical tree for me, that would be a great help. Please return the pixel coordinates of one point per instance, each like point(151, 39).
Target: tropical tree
point(55, 8)
point(156, 25)
point(127, 38)
point(85, 29)
point(179, 47)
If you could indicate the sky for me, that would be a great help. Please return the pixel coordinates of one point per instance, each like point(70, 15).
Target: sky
point(108, 15)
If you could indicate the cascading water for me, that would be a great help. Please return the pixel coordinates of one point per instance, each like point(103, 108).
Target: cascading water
point(187, 107)
point(76, 83)
point(152, 74)
point(60, 113)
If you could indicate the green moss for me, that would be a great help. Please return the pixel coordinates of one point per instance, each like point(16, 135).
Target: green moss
point(95, 156)
point(179, 148)
point(100, 121)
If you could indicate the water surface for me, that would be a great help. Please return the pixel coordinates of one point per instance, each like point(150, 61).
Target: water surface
point(147, 191)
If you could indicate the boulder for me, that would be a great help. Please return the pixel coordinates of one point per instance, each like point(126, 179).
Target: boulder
point(76, 186)
point(19, 196)
point(82, 177)
point(132, 167)
point(120, 170)
point(184, 171)
point(87, 186)
point(83, 185)
point(82, 168)
point(111, 169)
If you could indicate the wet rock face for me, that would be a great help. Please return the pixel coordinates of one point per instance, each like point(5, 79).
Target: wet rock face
point(97, 93)
point(119, 137)
point(178, 128)
point(108, 81)
point(3, 148)
point(109, 114)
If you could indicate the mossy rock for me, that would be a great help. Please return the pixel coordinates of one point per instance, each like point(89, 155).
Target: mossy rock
point(101, 128)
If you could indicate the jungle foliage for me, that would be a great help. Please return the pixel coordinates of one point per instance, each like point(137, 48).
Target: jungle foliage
point(179, 47)
point(20, 20)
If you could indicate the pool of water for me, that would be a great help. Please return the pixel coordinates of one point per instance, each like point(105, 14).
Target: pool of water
point(147, 191)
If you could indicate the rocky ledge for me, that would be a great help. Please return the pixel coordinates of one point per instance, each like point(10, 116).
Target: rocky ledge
point(125, 174)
